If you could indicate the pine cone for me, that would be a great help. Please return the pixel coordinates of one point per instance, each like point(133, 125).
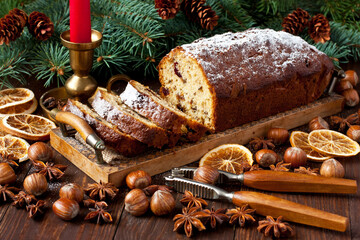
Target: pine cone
point(12, 25)
point(197, 12)
point(40, 26)
point(319, 28)
point(296, 21)
point(20, 15)
point(167, 9)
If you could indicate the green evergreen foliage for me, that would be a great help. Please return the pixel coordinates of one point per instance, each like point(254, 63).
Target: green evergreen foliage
point(135, 38)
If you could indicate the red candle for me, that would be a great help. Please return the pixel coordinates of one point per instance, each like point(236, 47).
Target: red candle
point(80, 21)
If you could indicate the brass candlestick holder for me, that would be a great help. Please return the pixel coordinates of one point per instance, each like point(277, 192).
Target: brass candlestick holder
point(81, 85)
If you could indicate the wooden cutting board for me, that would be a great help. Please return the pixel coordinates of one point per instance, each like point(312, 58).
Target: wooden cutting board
point(158, 161)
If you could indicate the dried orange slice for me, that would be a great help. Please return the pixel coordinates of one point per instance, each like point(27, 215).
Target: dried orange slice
point(28, 126)
point(333, 143)
point(15, 147)
point(15, 96)
point(228, 157)
point(28, 107)
point(300, 139)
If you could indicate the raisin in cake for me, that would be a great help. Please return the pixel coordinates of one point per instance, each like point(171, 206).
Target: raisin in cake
point(149, 104)
point(112, 136)
point(113, 110)
point(234, 78)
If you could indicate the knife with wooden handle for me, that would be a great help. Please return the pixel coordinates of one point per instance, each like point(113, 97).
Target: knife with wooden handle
point(281, 181)
point(83, 128)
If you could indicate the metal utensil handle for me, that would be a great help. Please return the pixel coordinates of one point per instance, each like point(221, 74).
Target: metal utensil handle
point(115, 78)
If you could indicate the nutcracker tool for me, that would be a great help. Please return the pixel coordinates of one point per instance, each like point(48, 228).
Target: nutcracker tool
point(280, 181)
point(264, 204)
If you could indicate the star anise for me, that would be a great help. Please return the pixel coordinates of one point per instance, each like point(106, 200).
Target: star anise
point(308, 171)
point(36, 209)
point(192, 201)
point(242, 214)
point(281, 167)
point(49, 169)
point(258, 143)
point(101, 191)
point(190, 217)
point(277, 228)
point(6, 192)
point(215, 216)
point(255, 167)
point(99, 212)
point(8, 158)
point(342, 124)
point(22, 199)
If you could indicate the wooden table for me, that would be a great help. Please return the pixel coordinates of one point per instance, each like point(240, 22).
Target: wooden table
point(15, 224)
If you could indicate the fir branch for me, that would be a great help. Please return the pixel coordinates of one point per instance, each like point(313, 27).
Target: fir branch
point(235, 10)
point(13, 66)
point(51, 61)
point(346, 37)
point(110, 59)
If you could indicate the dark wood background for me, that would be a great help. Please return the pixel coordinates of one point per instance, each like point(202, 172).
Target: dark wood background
point(15, 224)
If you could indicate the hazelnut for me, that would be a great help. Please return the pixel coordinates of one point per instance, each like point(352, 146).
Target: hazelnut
point(343, 85)
point(40, 151)
point(162, 203)
point(150, 190)
point(332, 168)
point(138, 179)
point(206, 174)
point(296, 156)
point(318, 123)
point(352, 77)
point(7, 174)
point(72, 191)
point(266, 157)
point(136, 202)
point(35, 184)
point(354, 132)
point(278, 135)
point(66, 209)
point(351, 97)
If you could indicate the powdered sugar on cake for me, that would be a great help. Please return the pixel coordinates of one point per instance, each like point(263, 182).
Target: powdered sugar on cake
point(259, 52)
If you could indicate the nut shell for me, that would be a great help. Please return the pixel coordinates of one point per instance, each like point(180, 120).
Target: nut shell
point(138, 179)
point(332, 168)
point(35, 184)
point(40, 151)
point(66, 209)
point(352, 77)
point(162, 203)
point(343, 85)
point(318, 123)
point(354, 132)
point(206, 174)
point(296, 156)
point(72, 191)
point(136, 202)
point(7, 174)
point(278, 135)
point(266, 157)
point(351, 97)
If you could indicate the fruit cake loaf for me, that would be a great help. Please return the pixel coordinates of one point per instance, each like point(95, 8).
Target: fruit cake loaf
point(110, 107)
point(112, 136)
point(149, 104)
point(234, 78)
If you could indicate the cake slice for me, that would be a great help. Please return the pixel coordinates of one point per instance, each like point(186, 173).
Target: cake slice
point(109, 133)
point(110, 107)
point(149, 104)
